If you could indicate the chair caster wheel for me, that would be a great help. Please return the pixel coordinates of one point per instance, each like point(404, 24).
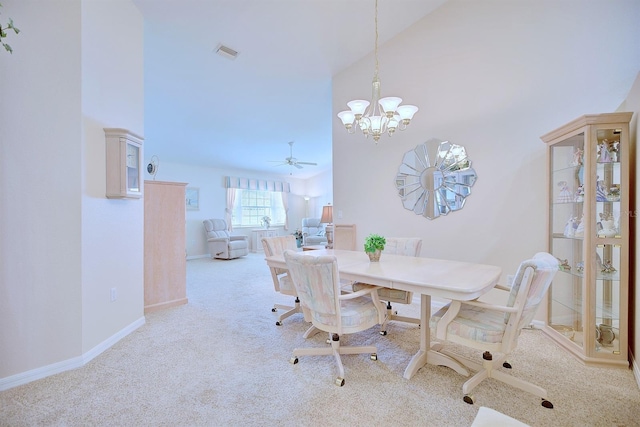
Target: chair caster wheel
point(468, 399)
point(373, 356)
point(383, 333)
point(547, 404)
point(339, 382)
point(507, 365)
point(273, 310)
point(278, 323)
point(293, 360)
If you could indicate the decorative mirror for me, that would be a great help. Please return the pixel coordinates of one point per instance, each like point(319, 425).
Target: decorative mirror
point(435, 178)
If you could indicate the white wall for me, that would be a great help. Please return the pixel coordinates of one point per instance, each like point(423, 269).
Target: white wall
point(63, 244)
point(40, 163)
point(212, 200)
point(492, 76)
point(112, 229)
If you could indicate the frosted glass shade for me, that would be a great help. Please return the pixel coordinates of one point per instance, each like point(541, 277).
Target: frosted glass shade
point(390, 103)
point(406, 112)
point(358, 106)
point(347, 117)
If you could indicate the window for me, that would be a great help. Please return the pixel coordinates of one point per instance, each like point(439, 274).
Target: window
point(251, 205)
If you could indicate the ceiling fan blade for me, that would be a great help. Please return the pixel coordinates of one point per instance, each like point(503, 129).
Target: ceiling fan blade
point(307, 163)
point(297, 165)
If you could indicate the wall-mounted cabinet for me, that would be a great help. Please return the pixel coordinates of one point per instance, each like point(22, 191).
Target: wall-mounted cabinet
point(588, 301)
point(124, 164)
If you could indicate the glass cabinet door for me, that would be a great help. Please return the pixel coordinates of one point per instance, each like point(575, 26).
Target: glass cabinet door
point(567, 236)
point(608, 153)
point(133, 167)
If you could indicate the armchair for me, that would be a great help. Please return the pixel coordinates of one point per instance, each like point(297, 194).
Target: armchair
point(317, 283)
point(221, 243)
point(495, 328)
point(313, 232)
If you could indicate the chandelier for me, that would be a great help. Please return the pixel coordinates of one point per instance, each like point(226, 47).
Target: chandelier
point(381, 115)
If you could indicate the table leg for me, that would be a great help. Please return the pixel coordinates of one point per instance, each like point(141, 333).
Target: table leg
point(428, 353)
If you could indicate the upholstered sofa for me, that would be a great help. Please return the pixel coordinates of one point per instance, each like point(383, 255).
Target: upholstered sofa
point(223, 244)
point(313, 232)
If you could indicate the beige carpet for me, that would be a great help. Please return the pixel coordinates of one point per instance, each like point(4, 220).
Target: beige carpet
point(221, 361)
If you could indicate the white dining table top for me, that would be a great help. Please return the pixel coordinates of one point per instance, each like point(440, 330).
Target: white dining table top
point(436, 277)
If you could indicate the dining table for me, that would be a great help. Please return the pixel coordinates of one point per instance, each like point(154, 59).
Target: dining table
point(428, 277)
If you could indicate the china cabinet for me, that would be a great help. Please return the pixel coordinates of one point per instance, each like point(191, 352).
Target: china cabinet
point(124, 164)
point(588, 181)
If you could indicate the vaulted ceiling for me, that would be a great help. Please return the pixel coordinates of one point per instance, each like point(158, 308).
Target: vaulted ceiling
point(204, 109)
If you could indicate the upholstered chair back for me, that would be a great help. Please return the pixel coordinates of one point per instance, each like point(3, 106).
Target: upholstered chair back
point(407, 246)
point(216, 228)
point(276, 246)
point(317, 283)
point(312, 226)
point(540, 271)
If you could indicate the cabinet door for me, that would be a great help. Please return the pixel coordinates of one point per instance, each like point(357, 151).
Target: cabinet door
point(609, 247)
point(567, 204)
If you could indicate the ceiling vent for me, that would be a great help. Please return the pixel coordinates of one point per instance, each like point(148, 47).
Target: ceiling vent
point(227, 52)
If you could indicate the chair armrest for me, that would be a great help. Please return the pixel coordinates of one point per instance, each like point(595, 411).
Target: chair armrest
point(239, 237)
point(502, 288)
point(452, 312)
point(217, 239)
point(366, 289)
point(494, 307)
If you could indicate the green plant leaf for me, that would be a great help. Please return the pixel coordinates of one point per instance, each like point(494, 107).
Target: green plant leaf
point(7, 47)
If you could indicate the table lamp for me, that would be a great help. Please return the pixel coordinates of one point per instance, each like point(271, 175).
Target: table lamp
point(327, 218)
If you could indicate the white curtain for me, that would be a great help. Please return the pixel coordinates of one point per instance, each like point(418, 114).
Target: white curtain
point(231, 198)
point(285, 203)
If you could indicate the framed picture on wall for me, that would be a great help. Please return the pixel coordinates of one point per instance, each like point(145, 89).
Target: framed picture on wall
point(193, 198)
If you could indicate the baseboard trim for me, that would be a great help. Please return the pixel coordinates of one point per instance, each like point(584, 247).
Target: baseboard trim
point(189, 258)
point(635, 368)
point(69, 364)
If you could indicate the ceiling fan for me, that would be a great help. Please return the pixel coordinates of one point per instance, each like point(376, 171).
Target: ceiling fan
point(292, 161)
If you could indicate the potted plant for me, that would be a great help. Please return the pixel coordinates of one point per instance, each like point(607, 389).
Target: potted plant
point(373, 245)
point(298, 236)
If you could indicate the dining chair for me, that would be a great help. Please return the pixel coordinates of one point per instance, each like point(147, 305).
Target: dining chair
point(408, 246)
point(317, 283)
point(496, 328)
point(344, 237)
point(281, 279)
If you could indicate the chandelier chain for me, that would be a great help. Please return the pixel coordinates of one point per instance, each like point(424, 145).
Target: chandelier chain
point(376, 42)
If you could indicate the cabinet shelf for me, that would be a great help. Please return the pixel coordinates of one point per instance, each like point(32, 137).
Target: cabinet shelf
point(588, 182)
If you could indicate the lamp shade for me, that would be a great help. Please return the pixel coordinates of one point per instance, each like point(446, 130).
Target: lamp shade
point(327, 214)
